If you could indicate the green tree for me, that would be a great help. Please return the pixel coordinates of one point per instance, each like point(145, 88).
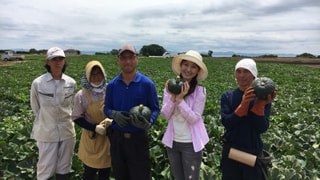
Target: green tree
point(33, 51)
point(210, 53)
point(306, 55)
point(268, 56)
point(114, 52)
point(152, 50)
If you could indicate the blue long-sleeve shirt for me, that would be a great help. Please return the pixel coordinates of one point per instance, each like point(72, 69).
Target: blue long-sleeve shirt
point(244, 132)
point(122, 97)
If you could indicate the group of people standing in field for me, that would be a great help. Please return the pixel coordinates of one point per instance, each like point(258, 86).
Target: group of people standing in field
point(113, 137)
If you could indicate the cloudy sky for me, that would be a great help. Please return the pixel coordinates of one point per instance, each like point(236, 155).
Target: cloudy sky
point(241, 26)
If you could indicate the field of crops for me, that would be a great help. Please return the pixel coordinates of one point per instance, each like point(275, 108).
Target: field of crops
point(293, 137)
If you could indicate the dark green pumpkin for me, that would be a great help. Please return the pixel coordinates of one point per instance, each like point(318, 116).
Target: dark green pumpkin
point(263, 87)
point(141, 110)
point(175, 84)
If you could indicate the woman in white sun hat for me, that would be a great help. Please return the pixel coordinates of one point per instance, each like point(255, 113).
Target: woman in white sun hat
point(186, 134)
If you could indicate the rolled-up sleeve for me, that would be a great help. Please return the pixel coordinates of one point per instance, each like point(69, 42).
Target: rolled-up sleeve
point(167, 105)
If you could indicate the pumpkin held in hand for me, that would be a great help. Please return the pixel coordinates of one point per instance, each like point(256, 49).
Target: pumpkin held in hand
point(175, 84)
point(263, 87)
point(141, 110)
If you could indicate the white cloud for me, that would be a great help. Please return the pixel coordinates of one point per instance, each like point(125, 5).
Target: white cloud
point(247, 26)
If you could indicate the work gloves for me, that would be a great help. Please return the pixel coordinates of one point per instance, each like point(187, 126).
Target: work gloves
point(101, 127)
point(258, 107)
point(106, 122)
point(100, 130)
point(123, 118)
point(120, 117)
point(242, 109)
point(139, 121)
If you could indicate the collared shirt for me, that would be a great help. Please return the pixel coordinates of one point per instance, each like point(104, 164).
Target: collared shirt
point(122, 97)
point(52, 104)
point(191, 112)
point(244, 132)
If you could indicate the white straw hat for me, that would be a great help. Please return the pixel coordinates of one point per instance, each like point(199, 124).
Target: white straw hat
point(194, 57)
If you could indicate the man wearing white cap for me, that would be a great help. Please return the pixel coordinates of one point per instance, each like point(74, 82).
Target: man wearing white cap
point(245, 117)
point(128, 135)
point(51, 100)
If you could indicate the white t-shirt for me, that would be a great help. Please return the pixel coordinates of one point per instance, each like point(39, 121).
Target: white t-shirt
point(181, 128)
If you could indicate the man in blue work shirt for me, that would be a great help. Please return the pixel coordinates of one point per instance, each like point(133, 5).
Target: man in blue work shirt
point(127, 133)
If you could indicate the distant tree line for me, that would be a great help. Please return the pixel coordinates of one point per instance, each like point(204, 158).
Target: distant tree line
point(157, 50)
point(307, 55)
point(303, 55)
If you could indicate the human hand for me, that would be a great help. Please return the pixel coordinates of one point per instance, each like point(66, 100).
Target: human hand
point(269, 98)
point(120, 117)
point(258, 107)
point(100, 130)
point(106, 122)
point(173, 96)
point(247, 97)
point(184, 91)
point(139, 121)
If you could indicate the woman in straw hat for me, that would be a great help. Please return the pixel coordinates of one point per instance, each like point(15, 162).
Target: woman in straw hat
point(186, 134)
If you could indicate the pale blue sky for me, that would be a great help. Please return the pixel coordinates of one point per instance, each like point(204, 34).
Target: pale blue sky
point(246, 26)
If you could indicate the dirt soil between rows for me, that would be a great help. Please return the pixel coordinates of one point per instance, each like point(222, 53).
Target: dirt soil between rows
point(8, 63)
point(309, 62)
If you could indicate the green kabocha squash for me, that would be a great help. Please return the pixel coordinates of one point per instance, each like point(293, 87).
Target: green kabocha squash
point(263, 87)
point(175, 84)
point(141, 110)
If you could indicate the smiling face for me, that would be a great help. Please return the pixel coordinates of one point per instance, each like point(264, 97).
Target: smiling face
point(96, 76)
point(189, 70)
point(244, 78)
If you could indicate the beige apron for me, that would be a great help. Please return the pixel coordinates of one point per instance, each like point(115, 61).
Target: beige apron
point(94, 151)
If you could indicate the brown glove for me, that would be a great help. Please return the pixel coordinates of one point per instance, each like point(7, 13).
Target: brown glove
point(258, 107)
point(242, 109)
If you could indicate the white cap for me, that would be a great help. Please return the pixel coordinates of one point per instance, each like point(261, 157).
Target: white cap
point(55, 52)
point(248, 64)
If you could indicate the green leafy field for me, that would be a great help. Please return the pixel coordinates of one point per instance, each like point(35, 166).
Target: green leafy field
point(293, 137)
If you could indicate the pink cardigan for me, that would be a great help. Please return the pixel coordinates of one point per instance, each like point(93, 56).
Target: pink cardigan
point(192, 113)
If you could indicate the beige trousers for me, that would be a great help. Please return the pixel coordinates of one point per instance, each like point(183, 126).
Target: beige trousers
point(54, 157)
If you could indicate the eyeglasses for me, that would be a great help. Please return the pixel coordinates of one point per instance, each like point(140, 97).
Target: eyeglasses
point(124, 58)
